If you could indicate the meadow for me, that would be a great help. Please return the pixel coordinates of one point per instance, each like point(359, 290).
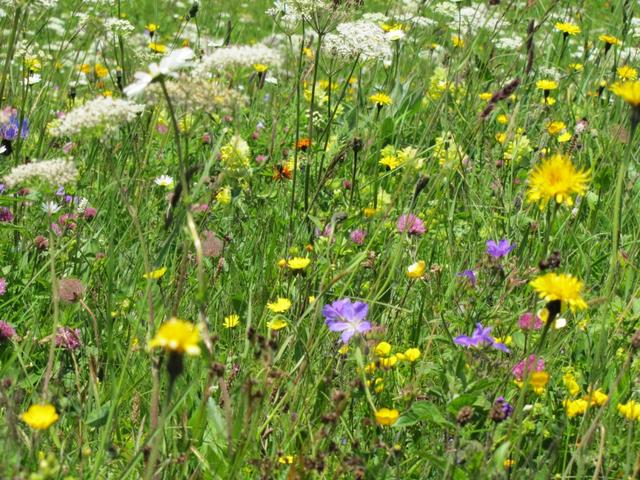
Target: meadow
point(335, 239)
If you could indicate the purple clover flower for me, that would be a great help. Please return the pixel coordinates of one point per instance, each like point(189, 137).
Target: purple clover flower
point(3, 286)
point(529, 321)
point(357, 236)
point(347, 317)
point(68, 338)
point(7, 332)
point(6, 215)
point(527, 366)
point(481, 336)
point(500, 249)
point(411, 224)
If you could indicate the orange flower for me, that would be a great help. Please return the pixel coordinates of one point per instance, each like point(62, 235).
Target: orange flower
point(303, 144)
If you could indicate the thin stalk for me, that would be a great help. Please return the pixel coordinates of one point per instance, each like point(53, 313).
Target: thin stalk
point(10, 50)
point(307, 172)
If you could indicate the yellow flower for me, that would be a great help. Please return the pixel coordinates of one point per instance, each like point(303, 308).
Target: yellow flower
point(298, 263)
point(575, 407)
point(508, 340)
point(567, 28)
point(383, 349)
point(556, 178)
point(560, 286)
point(152, 27)
point(570, 383)
point(155, 274)
point(260, 67)
point(390, 161)
point(502, 119)
point(388, 362)
point(85, 68)
point(231, 321)
point(554, 128)
point(386, 416)
point(101, 70)
point(628, 91)
point(157, 47)
point(548, 101)
point(609, 39)
point(538, 381)
point(224, 196)
point(501, 137)
point(179, 336)
point(565, 137)
point(486, 96)
point(40, 417)
point(412, 354)
point(378, 385)
point(416, 270)
point(369, 212)
point(344, 349)
point(597, 397)
point(576, 67)
point(380, 99)
point(546, 85)
point(277, 323)
point(626, 72)
point(457, 41)
point(630, 410)
point(286, 459)
point(281, 305)
point(370, 368)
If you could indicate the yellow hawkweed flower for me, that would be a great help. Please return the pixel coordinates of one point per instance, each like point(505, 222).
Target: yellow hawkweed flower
point(416, 270)
point(386, 416)
point(152, 27)
point(260, 67)
point(157, 47)
point(101, 70)
point(40, 417)
point(546, 85)
point(556, 178)
point(231, 321)
point(486, 96)
point(457, 41)
point(281, 305)
point(177, 336)
point(628, 91)
point(380, 99)
point(610, 39)
point(298, 263)
point(555, 128)
point(277, 323)
point(155, 274)
point(560, 286)
point(630, 410)
point(626, 72)
point(383, 349)
point(565, 137)
point(567, 28)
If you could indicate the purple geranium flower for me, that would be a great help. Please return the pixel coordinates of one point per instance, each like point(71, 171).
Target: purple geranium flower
point(411, 224)
point(470, 275)
point(500, 249)
point(480, 336)
point(347, 317)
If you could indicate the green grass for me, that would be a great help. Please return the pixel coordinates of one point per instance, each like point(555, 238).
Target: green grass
point(262, 403)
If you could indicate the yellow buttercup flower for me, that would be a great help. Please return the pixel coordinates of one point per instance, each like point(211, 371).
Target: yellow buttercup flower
point(277, 323)
point(560, 286)
point(231, 321)
point(40, 417)
point(630, 410)
point(555, 128)
point(298, 263)
point(416, 270)
point(556, 178)
point(567, 28)
point(412, 354)
point(177, 336)
point(383, 349)
point(628, 91)
point(281, 305)
point(155, 274)
point(380, 99)
point(386, 416)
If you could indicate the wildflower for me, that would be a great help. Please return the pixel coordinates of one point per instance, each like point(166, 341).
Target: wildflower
point(12, 126)
point(416, 270)
point(560, 287)
point(303, 144)
point(529, 321)
point(412, 354)
point(157, 47)
point(260, 67)
point(286, 459)
point(223, 196)
point(546, 85)
point(70, 290)
point(298, 263)
point(481, 336)
point(538, 381)
point(626, 72)
point(555, 128)
point(567, 28)
point(177, 336)
point(164, 181)
point(457, 41)
point(167, 67)
point(357, 236)
point(470, 276)
point(152, 28)
point(362, 38)
point(281, 305)
point(630, 410)
point(629, 92)
point(277, 323)
point(380, 99)
point(386, 417)
point(68, 338)
point(556, 178)
point(575, 407)
point(570, 383)
point(3, 286)
point(525, 367)
point(235, 154)
point(231, 321)
point(609, 40)
point(500, 410)
point(347, 317)
point(597, 397)
point(410, 224)
point(383, 349)
point(54, 172)
point(40, 417)
point(508, 463)
point(283, 171)
point(500, 249)
point(449, 154)
point(7, 332)
point(155, 274)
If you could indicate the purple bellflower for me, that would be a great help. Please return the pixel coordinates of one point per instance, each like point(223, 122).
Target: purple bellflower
point(499, 249)
point(481, 336)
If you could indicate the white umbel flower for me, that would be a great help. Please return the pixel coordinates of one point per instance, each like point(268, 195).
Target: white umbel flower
point(55, 172)
point(168, 66)
point(240, 56)
point(361, 38)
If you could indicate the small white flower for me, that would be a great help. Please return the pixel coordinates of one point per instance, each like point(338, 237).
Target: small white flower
point(168, 66)
point(33, 79)
point(50, 207)
point(560, 323)
point(395, 34)
point(164, 181)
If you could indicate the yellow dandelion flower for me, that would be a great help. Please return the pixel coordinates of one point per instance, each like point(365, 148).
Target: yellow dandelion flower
point(610, 39)
point(40, 417)
point(556, 178)
point(565, 137)
point(560, 286)
point(626, 72)
point(298, 263)
point(576, 67)
point(277, 323)
point(101, 70)
point(555, 128)
point(486, 96)
point(281, 305)
point(152, 27)
point(155, 274)
point(386, 416)
point(231, 321)
point(457, 41)
point(546, 85)
point(157, 47)
point(260, 67)
point(380, 99)
point(567, 28)
point(628, 91)
point(177, 336)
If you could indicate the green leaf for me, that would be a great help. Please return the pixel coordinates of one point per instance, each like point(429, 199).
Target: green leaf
point(98, 417)
point(424, 410)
